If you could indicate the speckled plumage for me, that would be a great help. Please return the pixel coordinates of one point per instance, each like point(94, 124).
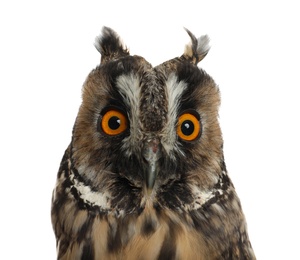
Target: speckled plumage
point(147, 192)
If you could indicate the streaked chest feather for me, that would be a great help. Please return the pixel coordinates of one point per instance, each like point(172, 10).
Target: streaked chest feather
point(147, 236)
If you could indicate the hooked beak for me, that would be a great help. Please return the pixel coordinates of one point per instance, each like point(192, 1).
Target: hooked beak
point(151, 153)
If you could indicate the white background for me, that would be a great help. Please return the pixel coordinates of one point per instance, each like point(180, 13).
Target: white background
point(47, 51)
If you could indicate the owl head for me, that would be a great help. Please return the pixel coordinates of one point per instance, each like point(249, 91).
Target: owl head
point(146, 134)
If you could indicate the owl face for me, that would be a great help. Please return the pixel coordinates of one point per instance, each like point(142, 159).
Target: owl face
point(146, 134)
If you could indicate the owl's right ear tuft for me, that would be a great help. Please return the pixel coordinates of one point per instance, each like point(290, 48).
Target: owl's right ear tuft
point(110, 46)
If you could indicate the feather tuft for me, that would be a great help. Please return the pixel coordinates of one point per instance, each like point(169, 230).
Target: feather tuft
point(110, 46)
point(197, 49)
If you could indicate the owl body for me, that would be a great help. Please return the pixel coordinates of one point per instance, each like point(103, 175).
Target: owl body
point(144, 176)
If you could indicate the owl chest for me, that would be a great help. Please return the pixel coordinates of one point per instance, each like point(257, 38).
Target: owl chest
point(145, 237)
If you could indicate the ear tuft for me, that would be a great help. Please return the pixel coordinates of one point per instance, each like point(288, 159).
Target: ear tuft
point(110, 46)
point(197, 49)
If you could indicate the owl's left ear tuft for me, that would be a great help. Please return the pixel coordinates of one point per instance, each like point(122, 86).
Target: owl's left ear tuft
point(110, 46)
point(197, 49)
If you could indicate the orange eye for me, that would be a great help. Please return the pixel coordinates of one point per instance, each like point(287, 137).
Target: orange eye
point(189, 127)
point(113, 122)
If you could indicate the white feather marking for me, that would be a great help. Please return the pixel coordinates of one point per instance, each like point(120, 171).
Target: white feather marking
point(129, 88)
point(90, 197)
point(203, 196)
point(174, 92)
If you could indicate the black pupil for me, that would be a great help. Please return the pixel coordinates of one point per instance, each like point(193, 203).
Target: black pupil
point(187, 127)
point(114, 122)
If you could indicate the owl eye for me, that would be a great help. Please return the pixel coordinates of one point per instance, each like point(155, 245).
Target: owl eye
point(113, 122)
point(189, 126)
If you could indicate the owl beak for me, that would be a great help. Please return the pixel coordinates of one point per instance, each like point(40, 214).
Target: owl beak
point(151, 153)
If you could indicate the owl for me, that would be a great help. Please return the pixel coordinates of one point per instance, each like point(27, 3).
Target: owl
point(144, 175)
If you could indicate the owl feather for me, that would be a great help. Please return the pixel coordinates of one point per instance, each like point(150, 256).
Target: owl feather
point(144, 176)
